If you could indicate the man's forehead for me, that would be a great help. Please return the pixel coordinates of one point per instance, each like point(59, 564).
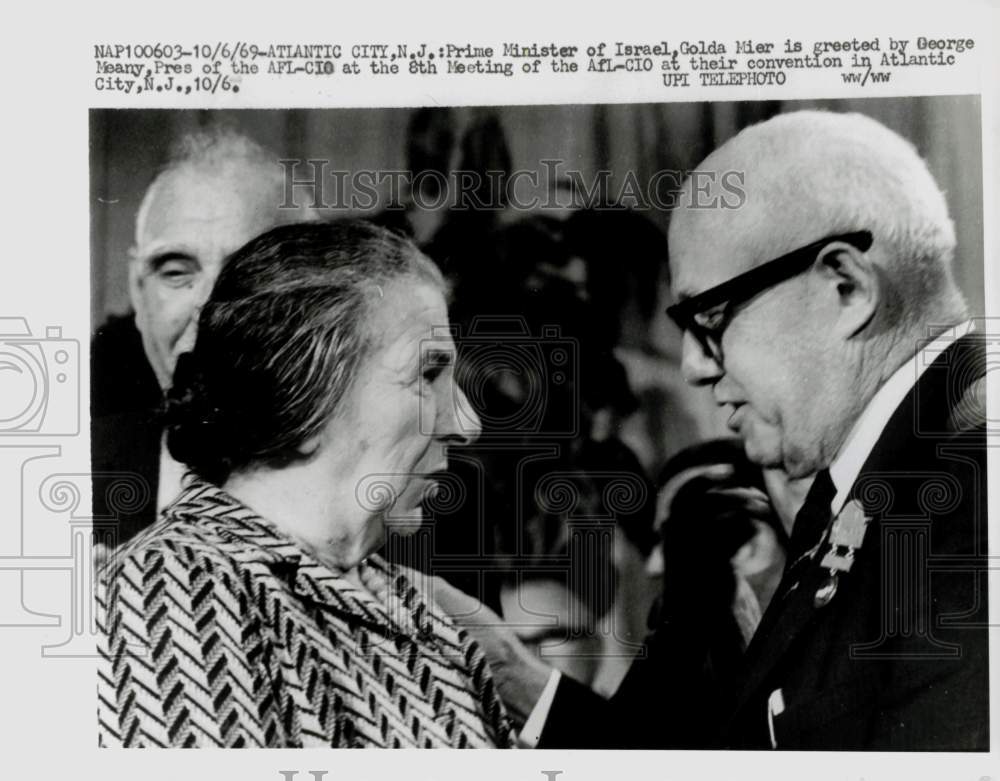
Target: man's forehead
point(713, 239)
point(706, 250)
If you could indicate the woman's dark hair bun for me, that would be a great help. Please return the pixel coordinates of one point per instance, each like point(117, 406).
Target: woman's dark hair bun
point(195, 423)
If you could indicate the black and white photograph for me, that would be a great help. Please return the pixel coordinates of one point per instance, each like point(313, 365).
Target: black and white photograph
point(612, 388)
point(589, 426)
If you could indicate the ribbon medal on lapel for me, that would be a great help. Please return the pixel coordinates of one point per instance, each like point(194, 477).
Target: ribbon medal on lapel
point(846, 536)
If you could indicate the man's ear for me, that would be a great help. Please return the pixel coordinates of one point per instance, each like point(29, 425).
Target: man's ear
point(857, 285)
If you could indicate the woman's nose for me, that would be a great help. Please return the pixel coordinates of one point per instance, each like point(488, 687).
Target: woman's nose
point(461, 424)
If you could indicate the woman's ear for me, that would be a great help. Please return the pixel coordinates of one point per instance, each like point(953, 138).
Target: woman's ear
point(856, 283)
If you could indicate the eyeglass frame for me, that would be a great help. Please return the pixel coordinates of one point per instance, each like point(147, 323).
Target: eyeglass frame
point(743, 287)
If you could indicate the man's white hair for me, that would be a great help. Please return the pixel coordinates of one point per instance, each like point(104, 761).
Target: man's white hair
point(216, 150)
point(825, 173)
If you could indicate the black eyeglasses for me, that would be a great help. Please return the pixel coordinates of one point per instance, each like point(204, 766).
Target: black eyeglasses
point(706, 315)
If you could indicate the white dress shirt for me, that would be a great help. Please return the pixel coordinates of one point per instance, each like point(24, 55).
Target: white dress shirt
point(531, 732)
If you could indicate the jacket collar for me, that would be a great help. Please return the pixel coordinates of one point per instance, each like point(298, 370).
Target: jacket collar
point(870, 425)
point(391, 605)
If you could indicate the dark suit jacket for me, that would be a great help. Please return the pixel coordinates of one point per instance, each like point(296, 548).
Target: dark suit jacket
point(898, 658)
point(125, 432)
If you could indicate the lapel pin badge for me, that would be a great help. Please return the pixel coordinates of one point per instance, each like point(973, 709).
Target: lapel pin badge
point(846, 537)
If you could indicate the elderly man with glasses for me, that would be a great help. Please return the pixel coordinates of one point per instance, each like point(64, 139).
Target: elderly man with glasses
point(823, 316)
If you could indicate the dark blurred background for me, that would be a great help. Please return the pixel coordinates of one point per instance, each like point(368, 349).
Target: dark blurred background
point(128, 146)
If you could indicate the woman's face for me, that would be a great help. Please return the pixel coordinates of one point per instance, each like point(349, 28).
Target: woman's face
point(391, 432)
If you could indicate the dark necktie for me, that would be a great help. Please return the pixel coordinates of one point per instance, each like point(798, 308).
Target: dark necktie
point(810, 524)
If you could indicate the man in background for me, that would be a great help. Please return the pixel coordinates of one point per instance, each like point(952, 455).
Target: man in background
point(218, 190)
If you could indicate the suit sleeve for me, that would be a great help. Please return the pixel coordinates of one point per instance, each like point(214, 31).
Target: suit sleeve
point(665, 701)
point(181, 662)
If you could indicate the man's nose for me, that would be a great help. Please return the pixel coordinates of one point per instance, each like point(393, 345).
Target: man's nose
point(202, 291)
point(204, 288)
point(461, 424)
point(698, 367)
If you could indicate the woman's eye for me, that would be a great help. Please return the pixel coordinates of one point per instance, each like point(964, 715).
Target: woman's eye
point(431, 373)
point(434, 364)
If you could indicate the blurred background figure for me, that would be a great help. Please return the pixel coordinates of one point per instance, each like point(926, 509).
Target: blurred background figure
point(719, 557)
point(629, 496)
point(623, 254)
point(559, 579)
point(572, 553)
point(722, 548)
point(464, 246)
point(430, 143)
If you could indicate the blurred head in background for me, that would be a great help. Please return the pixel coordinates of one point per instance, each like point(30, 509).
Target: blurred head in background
point(560, 580)
point(722, 550)
point(219, 190)
point(569, 586)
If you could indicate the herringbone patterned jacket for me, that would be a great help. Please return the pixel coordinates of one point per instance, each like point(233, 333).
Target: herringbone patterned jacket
point(217, 630)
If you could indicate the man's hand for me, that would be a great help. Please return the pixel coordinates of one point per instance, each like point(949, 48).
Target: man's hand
point(519, 674)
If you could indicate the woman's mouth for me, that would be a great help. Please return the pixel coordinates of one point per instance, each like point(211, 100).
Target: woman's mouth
point(430, 490)
point(432, 487)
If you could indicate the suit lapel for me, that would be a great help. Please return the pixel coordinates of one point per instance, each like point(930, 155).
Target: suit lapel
point(782, 623)
point(941, 406)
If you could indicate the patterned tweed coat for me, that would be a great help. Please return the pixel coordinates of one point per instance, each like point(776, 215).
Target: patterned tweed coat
point(217, 630)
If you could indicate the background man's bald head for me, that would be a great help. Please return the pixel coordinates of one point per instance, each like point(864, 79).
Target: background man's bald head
point(219, 190)
point(232, 159)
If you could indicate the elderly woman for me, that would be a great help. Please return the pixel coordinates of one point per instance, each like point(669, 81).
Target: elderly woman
point(315, 410)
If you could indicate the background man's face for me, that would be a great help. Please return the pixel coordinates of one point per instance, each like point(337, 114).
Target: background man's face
point(194, 220)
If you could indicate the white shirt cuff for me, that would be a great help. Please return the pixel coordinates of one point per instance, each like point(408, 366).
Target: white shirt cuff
point(531, 732)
